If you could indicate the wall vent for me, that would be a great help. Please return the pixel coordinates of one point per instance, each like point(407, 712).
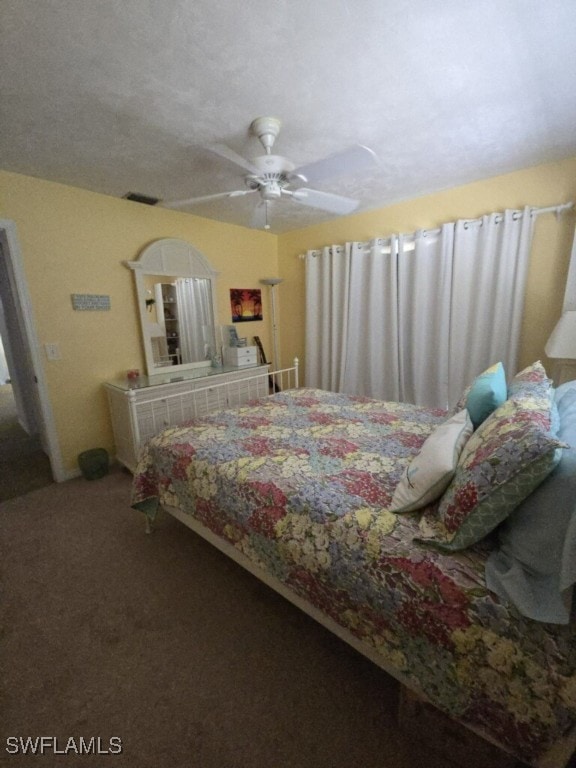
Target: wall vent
point(136, 197)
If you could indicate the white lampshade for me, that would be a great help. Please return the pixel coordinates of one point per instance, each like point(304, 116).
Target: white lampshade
point(562, 342)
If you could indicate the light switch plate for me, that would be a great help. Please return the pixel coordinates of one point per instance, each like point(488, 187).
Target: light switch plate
point(53, 351)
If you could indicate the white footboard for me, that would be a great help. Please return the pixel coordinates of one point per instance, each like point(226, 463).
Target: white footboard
point(140, 413)
point(182, 406)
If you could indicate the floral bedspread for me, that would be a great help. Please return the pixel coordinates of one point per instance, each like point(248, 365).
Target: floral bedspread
point(300, 483)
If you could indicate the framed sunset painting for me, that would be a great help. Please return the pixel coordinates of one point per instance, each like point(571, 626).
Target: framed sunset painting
point(245, 304)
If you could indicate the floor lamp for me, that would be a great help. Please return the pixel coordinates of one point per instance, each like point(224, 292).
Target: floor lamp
point(273, 282)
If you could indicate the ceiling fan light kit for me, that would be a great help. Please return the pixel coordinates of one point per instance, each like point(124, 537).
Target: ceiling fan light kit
point(274, 175)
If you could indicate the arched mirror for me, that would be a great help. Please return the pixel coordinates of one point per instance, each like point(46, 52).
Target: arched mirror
point(176, 300)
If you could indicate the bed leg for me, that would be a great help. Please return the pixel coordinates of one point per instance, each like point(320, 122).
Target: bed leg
point(148, 525)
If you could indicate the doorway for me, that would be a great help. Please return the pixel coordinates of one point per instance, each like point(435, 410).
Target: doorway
point(29, 455)
point(24, 465)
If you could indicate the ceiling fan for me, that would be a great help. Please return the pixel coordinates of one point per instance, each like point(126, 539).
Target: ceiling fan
point(275, 178)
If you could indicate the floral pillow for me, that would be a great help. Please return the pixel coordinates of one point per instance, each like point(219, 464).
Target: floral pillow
point(534, 564)
point(533, 381)
point(507, 457)
point(533, 387)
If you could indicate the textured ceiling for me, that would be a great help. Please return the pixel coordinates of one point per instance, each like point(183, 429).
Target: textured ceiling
point(125, 95)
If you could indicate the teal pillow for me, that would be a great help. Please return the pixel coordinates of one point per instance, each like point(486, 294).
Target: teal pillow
point(487, 393)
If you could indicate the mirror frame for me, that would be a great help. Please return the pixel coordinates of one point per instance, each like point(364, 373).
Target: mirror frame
point(173, 258)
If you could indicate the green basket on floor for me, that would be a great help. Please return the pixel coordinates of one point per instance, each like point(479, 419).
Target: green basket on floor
point(94, 463)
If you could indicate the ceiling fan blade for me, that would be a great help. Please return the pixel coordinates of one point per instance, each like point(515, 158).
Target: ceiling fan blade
point(261, 216)
point(353, 160)
point(229, 154)
point(326, 201)
point(206, 198)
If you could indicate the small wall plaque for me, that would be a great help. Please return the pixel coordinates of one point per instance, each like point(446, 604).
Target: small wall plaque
point(90, 301)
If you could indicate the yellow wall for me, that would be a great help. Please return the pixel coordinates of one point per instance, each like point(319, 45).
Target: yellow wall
point(74, 241)
point(539, 186)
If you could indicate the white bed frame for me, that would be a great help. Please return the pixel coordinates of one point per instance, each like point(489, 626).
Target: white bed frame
point(140, 413)
point(200, 401)
point(287, 378)
point(557, 757)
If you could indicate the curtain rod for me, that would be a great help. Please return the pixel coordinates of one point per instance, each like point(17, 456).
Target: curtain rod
point(534, 211)
point(557, 209)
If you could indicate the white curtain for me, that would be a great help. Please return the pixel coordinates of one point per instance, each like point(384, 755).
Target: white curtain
point(424, 309)
point(490, 259)
point(416, 317)
point(327, 296)
point(371, 362)
point(194, 310)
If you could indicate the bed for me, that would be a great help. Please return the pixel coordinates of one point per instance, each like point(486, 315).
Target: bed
point(439, 544)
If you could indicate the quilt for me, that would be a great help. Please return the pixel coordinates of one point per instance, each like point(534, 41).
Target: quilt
point(301, 482)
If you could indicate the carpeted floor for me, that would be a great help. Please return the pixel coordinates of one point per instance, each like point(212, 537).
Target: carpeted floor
point(21, 474)
point(166, 644)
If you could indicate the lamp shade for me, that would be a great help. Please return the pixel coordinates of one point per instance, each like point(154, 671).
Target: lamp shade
point(562, 342)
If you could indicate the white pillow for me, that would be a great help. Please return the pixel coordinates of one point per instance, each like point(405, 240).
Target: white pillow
point(431, 470)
